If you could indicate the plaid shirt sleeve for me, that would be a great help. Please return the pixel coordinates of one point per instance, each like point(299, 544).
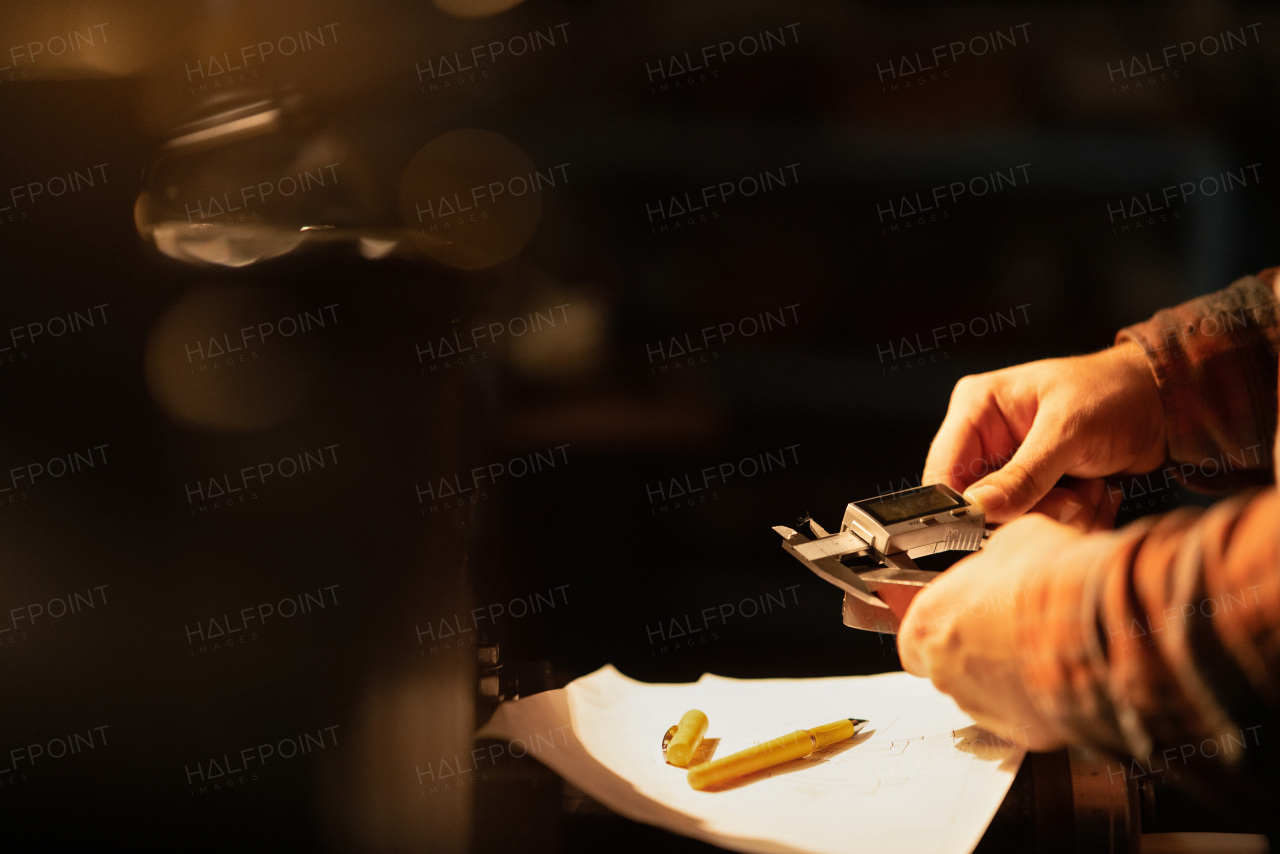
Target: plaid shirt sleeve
point(1165, 649)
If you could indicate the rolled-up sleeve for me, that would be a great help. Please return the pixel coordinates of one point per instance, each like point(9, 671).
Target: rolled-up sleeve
point(1214, 360)
point(1163, 644)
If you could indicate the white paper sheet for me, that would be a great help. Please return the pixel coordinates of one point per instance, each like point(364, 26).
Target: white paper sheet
point(919, 778)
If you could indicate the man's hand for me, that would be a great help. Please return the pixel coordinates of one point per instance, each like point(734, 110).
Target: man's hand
point(960, 630)
point(1085, 416)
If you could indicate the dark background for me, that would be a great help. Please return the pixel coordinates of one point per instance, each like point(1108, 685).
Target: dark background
point(588, 533)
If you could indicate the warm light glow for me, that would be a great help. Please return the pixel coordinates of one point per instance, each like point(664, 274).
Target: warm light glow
point(91, 39)
point(205, 372)
point(475, 8)
point(572, 349)
point(473, 199)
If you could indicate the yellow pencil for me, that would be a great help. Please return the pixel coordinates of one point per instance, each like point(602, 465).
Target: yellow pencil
point(796, 745)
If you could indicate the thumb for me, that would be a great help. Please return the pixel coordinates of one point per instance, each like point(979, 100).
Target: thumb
point(1019, 484)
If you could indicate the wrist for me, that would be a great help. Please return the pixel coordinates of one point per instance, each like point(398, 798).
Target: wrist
point(1141, 403)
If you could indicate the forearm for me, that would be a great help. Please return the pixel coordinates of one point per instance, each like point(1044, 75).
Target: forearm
point(1167, 648)
point(1214, 360)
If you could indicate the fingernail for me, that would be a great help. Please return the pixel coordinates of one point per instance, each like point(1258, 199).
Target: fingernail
point(1069, 511)
point(988, 497)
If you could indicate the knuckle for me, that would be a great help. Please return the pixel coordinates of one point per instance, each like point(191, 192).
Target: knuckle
point(968, 386)
point(1026, 480)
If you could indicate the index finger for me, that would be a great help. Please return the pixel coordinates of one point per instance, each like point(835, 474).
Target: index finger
point(950, 455)
point(973, 435)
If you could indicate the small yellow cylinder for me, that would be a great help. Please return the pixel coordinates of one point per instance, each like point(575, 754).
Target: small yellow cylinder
point(689, 733)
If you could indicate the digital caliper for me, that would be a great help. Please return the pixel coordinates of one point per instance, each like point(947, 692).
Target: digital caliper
point(872, 557)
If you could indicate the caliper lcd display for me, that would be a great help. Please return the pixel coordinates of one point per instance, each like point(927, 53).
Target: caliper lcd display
point(901, 506)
